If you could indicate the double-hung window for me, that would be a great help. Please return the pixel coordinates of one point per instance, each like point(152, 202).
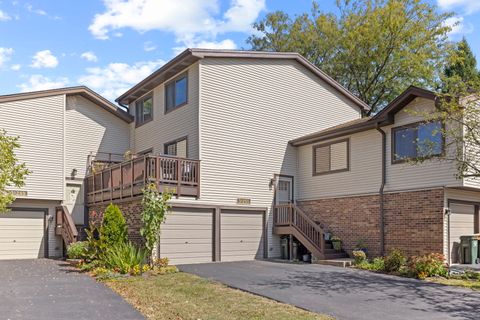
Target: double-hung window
point(418, 140)
point(331, 157)
point(144, 110)
point(176, 93)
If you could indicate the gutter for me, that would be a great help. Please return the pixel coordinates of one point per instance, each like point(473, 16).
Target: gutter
point(381, 191)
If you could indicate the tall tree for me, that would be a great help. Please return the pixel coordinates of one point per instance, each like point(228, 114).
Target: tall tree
point(374, 48)
point(461, 68)
point(12, 174)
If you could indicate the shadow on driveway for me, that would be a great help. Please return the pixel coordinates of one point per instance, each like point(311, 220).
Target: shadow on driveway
point(345, 293)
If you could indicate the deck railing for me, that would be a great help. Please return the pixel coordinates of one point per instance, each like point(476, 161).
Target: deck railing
point(180, 176)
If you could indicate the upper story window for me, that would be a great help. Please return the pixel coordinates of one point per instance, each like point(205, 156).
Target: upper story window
point(144, 110)
point(418, 140)
point(177, 148)
point(331, 157)
point(176, 93)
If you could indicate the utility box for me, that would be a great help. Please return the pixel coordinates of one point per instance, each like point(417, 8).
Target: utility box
point(284, 248)
point(469, 249)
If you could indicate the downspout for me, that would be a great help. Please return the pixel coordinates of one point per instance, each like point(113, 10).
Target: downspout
point(382, 187)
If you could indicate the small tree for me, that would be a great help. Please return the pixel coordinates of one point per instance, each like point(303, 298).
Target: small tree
point(12, 173)
point(114, 228)
point(155, 206)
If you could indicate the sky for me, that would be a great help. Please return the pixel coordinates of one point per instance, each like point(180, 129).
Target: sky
point(111, 45)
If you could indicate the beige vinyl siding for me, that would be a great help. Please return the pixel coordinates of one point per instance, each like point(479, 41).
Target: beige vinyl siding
point(40, 125)
point(250, 109)
point(176, 124)
point(91, 129)
point(364, 176)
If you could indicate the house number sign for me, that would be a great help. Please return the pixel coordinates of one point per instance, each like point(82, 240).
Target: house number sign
point(243, 201)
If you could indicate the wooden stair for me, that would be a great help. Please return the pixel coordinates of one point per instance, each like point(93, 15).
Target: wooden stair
point(65, 227)
point(288, 219)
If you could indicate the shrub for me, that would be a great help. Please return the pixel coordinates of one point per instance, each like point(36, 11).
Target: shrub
point(77, 250)
point(124, 258)
point(394, 260)
point(161, 262)
point(114, 228)
point(95, 247)
point(377, 264)
point(359, 256)
point(427, 266)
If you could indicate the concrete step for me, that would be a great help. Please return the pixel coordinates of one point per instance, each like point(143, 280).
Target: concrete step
point(342, 262)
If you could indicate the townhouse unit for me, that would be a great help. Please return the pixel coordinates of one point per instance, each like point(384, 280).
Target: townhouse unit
point(254, 147)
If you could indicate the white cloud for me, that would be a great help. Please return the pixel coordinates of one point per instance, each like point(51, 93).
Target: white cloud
point(226, 44)
point(5, 55)
point(4, 16)
point(149, 46)
point(89, 56)
point(467, 6)
point(189, 20)
point(116, 78)
point(458, 26)
point(38, 82)
point(44, 59)
point(16, 67)
point(31, 9)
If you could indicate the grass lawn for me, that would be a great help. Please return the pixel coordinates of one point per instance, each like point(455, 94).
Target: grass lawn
point(471, 284)
point(184, 296)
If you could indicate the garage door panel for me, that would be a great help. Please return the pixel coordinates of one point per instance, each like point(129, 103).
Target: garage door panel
point(199, 248)
point(186, 232)
point(241, 233)
point(462, 219)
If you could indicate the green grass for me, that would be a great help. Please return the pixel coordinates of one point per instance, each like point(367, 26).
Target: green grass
point(465, 283)
point(184, 296)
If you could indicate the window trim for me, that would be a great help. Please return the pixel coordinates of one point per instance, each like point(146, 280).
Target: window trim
point(182, 75)
point(166, 144)
point(314, 157)
point(143, 98)
point(393, 144)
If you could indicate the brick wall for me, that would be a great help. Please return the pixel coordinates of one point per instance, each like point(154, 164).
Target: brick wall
point(131, 212)
point(413, 220)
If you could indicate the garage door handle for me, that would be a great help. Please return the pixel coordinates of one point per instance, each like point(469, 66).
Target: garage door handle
point(186, 242)
point(241, 241)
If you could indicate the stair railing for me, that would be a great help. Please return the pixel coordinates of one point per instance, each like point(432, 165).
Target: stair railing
point(65, 226)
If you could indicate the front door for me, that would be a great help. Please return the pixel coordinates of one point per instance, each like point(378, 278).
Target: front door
point(284, 190)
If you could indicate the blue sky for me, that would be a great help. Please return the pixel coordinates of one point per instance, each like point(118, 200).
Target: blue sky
point(112, 44)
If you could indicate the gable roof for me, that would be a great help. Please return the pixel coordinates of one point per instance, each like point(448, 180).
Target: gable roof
point(83, 91)
point(190, 56)
point(383, 118)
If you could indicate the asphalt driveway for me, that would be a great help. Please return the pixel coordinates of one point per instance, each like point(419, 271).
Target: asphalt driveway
point(49, 289)
point(344, 293)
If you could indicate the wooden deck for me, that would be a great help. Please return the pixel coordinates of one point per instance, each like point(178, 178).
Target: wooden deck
point(179, 176)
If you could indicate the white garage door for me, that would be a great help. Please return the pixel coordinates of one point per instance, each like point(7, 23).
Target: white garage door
point(187, 236)
point(22, 235)
point(241, 235)
point(461, 223)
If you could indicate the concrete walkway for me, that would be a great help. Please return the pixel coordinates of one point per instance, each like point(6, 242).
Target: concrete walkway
point(344, 293)
point(49, 289)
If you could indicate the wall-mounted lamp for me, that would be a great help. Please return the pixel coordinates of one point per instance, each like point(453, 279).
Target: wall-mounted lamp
point(73, 173)
point(271, 184)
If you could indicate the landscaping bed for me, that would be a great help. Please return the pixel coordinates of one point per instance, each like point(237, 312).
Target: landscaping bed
point(185, 296)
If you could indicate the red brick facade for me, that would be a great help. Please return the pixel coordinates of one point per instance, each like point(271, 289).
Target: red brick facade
point(413, 220)
point(131, 211)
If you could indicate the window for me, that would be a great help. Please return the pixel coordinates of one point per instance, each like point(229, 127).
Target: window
point(419, 140)
point(177, 148)
point(144, 110)
point(176, 93)
point(331, 157)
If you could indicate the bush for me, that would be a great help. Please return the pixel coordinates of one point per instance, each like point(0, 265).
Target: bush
point(427, 266)
point(95, 247)
point(77, 250)
point(125, 258)
point(359, 256)
point(376, 265)
point(161, 262)
point(395, 260)
point(114, 228)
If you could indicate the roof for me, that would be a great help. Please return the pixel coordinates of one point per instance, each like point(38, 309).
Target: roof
point(190, 56)
point(71, 91)
point(382, 118)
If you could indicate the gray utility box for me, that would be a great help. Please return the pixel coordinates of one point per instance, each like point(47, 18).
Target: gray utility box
point(469, 248)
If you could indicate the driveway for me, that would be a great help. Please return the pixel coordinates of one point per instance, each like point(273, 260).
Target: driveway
point(344, 293)
point(49, 289)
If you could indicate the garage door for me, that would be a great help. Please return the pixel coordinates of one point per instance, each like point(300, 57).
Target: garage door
point(22, 235)
point(241, 235)
point(186, 236)
point(461, 223)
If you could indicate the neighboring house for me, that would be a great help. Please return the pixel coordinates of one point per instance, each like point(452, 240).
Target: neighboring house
point(215, 128)
point(58, 130)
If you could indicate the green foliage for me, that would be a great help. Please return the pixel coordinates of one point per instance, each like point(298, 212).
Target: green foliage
point(96, 247)
point(125, 258)
point(461, 68)
point(395, 260)
point(427, 266)
point(359, 256)
point(377, 264)
point(374, 48)
point(114, 228)
point(77, 250)
point(12, 173)
point(161, 262)
point(155, 206)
